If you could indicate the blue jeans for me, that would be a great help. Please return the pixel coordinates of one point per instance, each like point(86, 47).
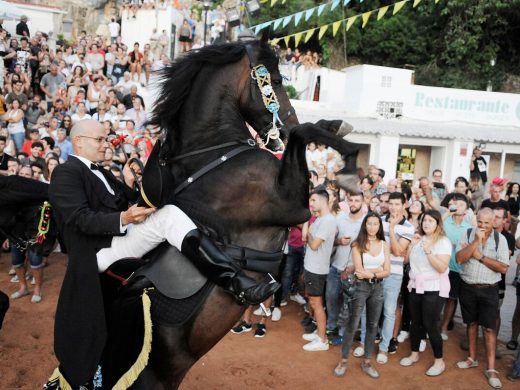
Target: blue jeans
point(334, 297)
point(369, 295)
point(18, 258)
point(516, 366)
point(292, 269)
point(18, 139)
point(391, 288)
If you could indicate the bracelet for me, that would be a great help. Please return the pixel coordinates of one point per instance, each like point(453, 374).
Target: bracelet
point(481, 260)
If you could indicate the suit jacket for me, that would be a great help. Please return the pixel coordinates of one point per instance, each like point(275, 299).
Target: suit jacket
point(88, 216)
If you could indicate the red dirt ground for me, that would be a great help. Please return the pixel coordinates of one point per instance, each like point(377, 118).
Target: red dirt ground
point(238, 362)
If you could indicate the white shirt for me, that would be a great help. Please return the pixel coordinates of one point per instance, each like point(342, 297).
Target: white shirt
point(114, 29)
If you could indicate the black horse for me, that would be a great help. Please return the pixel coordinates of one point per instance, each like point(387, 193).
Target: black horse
point(246, 199)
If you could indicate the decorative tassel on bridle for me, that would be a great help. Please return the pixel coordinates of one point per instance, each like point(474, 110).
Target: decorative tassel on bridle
point(263, 79)
point(45, 222)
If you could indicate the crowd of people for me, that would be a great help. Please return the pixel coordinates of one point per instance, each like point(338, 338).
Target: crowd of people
point(394, 260)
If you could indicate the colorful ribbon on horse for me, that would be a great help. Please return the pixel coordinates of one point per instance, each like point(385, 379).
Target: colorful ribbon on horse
point(45, 222)
point(263, 79)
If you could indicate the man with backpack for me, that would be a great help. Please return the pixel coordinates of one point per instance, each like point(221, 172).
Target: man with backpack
point(484, 256)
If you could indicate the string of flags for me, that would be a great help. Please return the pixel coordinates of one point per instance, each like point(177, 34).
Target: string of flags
point(306, 35)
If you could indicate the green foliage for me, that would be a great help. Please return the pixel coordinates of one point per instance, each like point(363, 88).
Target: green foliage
point(291, 91)
point(450, 44)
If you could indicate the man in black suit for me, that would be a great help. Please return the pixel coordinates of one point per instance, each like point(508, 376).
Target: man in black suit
point(98, 228)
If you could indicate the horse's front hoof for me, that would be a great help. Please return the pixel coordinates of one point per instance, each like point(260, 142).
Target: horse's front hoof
point(348, 181)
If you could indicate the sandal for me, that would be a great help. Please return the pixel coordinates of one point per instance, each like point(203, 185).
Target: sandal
point(341, 368)
point(494, 382)
point(468, 363)
point(18, 294)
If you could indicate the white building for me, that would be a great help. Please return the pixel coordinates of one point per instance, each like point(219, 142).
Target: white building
point(44, 18)
point(414, 129)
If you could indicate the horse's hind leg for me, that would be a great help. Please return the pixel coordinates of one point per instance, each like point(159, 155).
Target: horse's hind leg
point(147, 381)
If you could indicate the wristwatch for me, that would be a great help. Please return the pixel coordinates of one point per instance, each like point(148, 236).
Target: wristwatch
point(481, 260)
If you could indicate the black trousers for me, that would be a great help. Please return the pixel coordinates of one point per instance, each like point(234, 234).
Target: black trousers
point(4, 306)
point(425, 312)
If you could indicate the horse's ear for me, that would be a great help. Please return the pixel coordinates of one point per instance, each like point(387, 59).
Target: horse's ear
point(265, 36)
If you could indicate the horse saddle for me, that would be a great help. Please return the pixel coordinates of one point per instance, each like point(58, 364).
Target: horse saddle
point(170, 272)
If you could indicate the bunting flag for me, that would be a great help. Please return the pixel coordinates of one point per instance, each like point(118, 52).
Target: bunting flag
point(335, 3)
point(275, 41)
point(287, 39)
point(365, 18)
point(310, 33)
point(297, 18)
point(335, 27)
point(297, 38)
point(436, 1)
point(309, 13)
point(350, 21)
point(416, 3)
point(382, 12)
point(321, 8)
point(323, 30)
point(398, 6)
point(276, 24)
point(273, 2)
point(345, 2)
point(286, 21)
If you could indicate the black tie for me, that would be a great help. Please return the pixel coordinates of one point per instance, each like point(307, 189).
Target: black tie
point(94, 167)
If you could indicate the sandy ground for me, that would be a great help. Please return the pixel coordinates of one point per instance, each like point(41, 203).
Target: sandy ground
point(276, 361)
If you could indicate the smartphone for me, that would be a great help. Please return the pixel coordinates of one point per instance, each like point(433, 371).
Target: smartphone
point(453, 209)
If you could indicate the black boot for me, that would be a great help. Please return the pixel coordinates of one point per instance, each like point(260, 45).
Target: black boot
point(221, 270)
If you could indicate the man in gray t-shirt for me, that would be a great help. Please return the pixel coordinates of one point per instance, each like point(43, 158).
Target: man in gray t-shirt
point(348, 230)
point(51, 82)
point(320, 241)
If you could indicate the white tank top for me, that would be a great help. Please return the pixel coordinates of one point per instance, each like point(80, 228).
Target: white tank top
point(371, 262)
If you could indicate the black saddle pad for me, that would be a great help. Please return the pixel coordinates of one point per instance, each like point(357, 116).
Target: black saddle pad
point(171, 272)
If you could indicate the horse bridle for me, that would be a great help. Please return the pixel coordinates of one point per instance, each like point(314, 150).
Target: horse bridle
point(261, 77)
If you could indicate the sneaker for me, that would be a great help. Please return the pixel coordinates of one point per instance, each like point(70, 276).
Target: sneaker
point(260, 330)
point(276, 314)
point(392, 347)
point(403, 335)
point(310, 336)
point(259, 312)
point(283, 303)
point(298, 299)
point(377, 340)
point(316, 345)
point(307, 320)
point(332, 332)
point(336, 340)
point(12, 271)
point(242, 327)
point(359, 351)
point(422, 346)
point(444, 337)
point(381, 358)
point(369, 370)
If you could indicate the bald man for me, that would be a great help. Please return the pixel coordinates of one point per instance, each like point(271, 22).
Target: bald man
point(483, 255)
point(98, 228)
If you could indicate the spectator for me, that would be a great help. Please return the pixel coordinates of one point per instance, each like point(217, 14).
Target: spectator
point(51, 82)
point(398, 233)
point(114, 29)
point(137, 114)
point(377, 176)
point(64, 144)
point(341, 267)
point(478, 165)
point(34, 155)
point(81, 113)
point(4, 157)
point(125, 84)
point(95, 94)
point(320, 241)
point(135, 58)
point(439, 187)
point(14, 118)
point(18, 94)
point(128, 99)
point(484, 256)
point(513, 198)
point(455, 226)
point(96, 59)
point(371, 260)
point(185, 37)
point(22, 28)
point(495, 200)
point(429, 286)
point(34, 111)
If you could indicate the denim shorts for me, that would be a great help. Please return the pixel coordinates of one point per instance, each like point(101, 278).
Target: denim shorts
point(18, 258)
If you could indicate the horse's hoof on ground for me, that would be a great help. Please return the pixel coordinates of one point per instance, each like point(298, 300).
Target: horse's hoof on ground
point(348, 181)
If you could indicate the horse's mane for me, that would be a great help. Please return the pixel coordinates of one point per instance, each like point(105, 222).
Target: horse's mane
point(176, 80)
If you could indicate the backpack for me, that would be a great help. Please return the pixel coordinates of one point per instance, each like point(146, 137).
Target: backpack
point(495, 236)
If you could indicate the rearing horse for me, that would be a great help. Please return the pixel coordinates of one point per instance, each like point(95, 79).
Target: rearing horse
point(248, 199)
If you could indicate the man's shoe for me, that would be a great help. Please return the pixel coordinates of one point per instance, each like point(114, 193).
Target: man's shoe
point(403, 335)
point(316, 345)
point(392, 347)
point(336, 340)
point(223, 271)
point(276, 314)
point(260, 330)
point(298, 299)
point(512, 345)
point(359, 351)
point(242, 327)
point(369, 370)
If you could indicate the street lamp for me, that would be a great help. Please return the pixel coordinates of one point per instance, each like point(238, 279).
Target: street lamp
point(206, 5)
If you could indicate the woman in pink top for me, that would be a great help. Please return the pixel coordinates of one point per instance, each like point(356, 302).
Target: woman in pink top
point(429, 287)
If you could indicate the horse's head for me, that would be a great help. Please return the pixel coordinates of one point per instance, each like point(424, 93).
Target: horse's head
point(263, 102)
